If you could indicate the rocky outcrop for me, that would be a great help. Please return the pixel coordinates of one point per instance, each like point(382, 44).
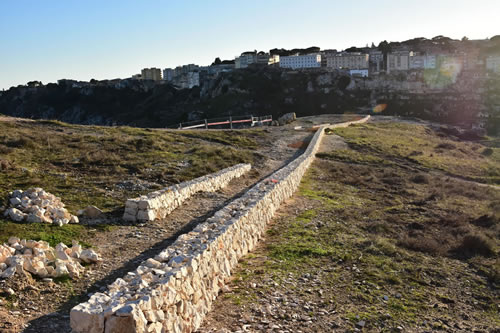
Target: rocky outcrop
point(287, 118)
point(159, 204)
point(40, 259)
point(37, 206)
point(173, 291)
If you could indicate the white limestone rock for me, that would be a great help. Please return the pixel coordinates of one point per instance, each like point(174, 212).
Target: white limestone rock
point(89, 256)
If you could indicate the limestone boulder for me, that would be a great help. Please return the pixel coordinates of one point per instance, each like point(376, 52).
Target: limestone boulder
point(89, 256)
point(16, 215)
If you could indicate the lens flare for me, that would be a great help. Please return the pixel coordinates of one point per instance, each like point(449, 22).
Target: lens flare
point(445, 74)
point(379, 108)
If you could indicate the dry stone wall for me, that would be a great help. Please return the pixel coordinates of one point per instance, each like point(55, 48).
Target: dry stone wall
point(173, 291)
point(158, 204)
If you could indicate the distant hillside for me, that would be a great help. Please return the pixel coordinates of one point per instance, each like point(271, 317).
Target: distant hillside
point(262, 91)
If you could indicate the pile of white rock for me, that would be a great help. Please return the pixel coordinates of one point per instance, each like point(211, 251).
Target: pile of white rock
point(40, 259)
point(37, 206)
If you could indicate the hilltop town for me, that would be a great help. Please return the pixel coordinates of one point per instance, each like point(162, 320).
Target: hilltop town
point(440, 79)
point(472, 57)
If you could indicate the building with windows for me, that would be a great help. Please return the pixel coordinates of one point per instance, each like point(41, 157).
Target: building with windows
point(493, 63)
point(398, 61)
point(348, 60)
point(248, 58)
point(423, 61)
point(301, 61)
point(376, 61)
point(151, 74)
point(359, 72)
point(168, 74)
point(274, 59)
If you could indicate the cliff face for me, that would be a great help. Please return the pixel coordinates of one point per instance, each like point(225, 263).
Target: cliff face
point(463, 98)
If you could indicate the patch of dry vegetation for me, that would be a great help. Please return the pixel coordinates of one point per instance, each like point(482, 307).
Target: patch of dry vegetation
point(103, 166)
point(389, 239)
point(427, 148)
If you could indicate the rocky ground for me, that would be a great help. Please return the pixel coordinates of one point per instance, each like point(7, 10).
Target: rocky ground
point(351, 251)
point(36, 305)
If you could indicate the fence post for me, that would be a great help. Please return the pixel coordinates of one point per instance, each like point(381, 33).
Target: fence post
point(206, 124)
point(230, 122)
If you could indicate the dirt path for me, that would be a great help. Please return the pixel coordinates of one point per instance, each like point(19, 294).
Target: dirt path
point(40, 306)
point(12, 119)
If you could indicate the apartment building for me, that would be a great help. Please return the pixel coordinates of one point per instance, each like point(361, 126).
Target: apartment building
point(398, 61)
point(168, 74)
point(418, 61)
point(376, 61)
point(249, 58)
point(347, 60)
point(301, 61)
point(151, 74)
point(493, 63)
point(274, 59)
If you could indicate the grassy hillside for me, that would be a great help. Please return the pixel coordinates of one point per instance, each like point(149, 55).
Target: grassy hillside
point(427, 149)
point(103, 166)
point(379, 238)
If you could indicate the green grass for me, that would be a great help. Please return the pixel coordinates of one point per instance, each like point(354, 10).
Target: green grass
point(84, 164)
point(358, 207)
point(49, 233)
point(421, 144)
point(353, 156)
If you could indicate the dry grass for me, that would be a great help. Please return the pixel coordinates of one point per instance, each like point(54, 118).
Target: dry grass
point(84, 165)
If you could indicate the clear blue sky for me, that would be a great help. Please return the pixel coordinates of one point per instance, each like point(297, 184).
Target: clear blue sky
point(104, 39)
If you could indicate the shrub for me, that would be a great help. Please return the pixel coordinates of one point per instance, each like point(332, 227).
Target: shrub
point(487, 152)
point(420, 179)
point(422, 244)
point(5, 150)
point(5, 164)
point(485, 221)
point(446, 145)
point(21, 143)
point(475, 244)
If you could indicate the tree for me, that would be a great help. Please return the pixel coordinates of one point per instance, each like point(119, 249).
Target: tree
point(465, 38)
point(386, 48)
point(217, 61)
point(353, 49)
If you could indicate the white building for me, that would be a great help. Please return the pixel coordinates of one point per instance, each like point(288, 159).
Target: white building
point(493, 63)
point(423, 62)
point(301, 61)
point(359, 72)
point(274, 59)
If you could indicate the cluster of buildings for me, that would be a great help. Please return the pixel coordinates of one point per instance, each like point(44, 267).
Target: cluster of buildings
point(364, 62)
point(186, 76)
